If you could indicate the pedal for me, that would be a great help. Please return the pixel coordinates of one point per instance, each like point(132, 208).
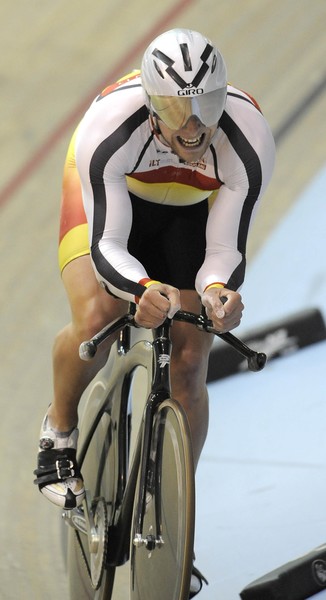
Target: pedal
point(75, 518)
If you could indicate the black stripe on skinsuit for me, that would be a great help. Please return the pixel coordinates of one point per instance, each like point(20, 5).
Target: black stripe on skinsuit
point(244, 99)
point(212, 149)
point(140, 157)
point(252, 165)
point(118, 89)
point(99, 160)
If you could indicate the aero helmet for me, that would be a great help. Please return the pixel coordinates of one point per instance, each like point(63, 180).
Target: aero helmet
point(184, 74)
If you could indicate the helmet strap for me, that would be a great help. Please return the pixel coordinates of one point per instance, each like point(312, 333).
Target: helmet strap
point(154, 123)
point(152, 116)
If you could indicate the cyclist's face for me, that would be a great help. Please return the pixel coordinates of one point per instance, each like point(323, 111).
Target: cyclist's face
point(191, 141)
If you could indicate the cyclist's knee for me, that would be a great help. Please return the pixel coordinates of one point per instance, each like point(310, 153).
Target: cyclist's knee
point(91, 314)
point(188, 379)
point(89, 319)
point(190, 367)
point(88, 326)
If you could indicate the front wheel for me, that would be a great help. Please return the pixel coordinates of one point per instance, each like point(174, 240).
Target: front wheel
point(162, 554)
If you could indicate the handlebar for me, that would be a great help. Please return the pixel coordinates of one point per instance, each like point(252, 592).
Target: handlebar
point(88, 349)
point(256, 360)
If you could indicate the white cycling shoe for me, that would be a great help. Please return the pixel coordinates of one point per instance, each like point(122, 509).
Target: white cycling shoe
point(57, 475)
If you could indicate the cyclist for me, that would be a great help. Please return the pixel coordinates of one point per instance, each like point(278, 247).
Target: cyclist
point(161, 182)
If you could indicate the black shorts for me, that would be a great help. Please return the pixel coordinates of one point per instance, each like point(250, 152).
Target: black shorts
point(169, 241)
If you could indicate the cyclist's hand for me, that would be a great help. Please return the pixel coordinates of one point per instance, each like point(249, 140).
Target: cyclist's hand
point(158, 302)
point(223, 307)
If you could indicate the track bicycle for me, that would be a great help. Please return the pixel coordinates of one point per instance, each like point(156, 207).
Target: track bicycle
point(140, 509)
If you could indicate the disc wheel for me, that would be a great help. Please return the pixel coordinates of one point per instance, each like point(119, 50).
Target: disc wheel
point(161, 563)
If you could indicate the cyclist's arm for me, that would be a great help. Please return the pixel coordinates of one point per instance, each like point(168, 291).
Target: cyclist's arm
point(108, 209)
point(113, 264)
point(246, 166)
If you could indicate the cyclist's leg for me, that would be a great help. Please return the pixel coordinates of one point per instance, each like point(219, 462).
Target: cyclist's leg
point(91, 309)
point(190, 354)
point(58, 475)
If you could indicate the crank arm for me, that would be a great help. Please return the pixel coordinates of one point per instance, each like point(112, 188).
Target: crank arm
point(82, 520)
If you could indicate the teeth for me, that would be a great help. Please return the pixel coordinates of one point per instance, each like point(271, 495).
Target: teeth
point(193, 142)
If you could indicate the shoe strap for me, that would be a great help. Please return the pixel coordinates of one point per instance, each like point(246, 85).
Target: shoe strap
point(56, 465)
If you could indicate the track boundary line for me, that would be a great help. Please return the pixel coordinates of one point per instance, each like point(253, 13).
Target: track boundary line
point(299, 110)
point(44, 150)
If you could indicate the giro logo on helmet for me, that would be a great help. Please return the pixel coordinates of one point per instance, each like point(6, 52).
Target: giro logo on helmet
point(187, 66)
point(191, 92)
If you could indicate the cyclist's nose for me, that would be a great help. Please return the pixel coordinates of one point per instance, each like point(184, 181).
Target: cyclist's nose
point(193, 124)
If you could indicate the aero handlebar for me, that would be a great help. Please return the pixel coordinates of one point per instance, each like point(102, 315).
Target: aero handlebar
point(256, 360)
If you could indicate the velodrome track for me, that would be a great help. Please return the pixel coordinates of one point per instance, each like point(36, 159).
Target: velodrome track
point(265, 453)
point(55, 57)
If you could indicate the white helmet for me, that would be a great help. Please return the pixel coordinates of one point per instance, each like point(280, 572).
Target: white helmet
point(183, 74)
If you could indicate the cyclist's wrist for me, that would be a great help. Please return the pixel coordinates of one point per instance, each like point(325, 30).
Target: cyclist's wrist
point(146, 282)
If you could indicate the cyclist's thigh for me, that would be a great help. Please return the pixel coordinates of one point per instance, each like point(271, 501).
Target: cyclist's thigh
point(88, 300)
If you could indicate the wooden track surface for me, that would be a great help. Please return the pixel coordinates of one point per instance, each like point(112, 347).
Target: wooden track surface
point(54, 58)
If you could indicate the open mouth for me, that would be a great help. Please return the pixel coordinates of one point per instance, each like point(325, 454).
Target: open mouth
point(192, 142)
